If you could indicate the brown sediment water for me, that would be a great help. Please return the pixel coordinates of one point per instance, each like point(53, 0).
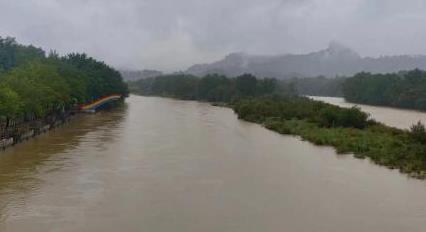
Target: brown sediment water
point(166, 165)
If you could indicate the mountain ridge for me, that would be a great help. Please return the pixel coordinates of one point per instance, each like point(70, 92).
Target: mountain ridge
point(335, 60)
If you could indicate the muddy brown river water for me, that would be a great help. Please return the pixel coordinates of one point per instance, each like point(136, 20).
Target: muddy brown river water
point(166, 165)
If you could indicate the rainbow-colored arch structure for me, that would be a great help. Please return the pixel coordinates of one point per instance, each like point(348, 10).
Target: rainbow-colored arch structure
point(93, 105)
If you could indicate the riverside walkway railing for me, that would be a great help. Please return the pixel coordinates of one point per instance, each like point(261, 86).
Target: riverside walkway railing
point(23, 130)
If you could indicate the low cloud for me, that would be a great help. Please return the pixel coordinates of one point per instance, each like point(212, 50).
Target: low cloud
point(171, 35)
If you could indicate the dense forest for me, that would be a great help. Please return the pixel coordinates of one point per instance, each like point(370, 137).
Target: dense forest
point(213, 88)
point(316, 86)
point(403, 89)
point(131, 75)
point(34, 85)
point(211, 84)
point(278, 108)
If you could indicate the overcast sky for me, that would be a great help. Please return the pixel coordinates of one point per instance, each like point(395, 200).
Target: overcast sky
point(173, 34)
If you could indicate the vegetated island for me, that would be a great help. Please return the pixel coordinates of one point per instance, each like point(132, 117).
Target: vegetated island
point(39, 91)
point(264, 101)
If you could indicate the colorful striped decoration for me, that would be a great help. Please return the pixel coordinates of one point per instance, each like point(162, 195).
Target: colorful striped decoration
point(92, 106)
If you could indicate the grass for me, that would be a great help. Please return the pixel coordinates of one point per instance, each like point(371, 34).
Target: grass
point(384, 145)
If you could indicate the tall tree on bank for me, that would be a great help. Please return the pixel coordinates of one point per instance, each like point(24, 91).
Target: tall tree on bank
point(33, 85)
point(404, 89)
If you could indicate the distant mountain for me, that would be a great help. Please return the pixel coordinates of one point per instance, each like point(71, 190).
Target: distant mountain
point(137, 75)
point(336, 60)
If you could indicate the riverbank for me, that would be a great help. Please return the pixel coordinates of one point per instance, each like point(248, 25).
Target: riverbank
point(384, 114)
point(19, 132)
point(348, 130)
point(384, 145)
point(404, 90)
point(39, 92)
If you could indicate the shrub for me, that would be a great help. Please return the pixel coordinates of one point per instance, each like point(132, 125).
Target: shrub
point(353, 117)
point(338, 117)
point(418, 132)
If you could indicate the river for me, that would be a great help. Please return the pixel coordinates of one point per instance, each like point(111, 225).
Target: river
point(166, 165)
point(399, 118)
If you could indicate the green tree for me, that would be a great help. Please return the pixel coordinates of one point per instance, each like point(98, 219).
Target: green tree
point(10, 104)
point(246, 85)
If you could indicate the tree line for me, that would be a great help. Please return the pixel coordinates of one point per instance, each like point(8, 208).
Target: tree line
point(403, 89)
point(244, 93)
point(33, 84)
point(212, 88)
point(316, 86)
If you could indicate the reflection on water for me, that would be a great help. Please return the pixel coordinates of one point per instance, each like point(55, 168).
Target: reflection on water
point(167, 165)
point(394, 117)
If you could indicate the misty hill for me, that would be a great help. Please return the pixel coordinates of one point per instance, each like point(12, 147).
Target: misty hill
point(336, 60)
point(137, 75)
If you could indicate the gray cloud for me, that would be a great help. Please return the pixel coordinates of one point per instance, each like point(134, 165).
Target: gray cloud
point(172, 34)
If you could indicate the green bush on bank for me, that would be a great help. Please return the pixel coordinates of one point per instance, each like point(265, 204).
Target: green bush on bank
point(418, 132)
point(353, 133)
point(325, 115)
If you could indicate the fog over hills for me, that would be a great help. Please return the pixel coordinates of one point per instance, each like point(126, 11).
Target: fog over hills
point(336, 60)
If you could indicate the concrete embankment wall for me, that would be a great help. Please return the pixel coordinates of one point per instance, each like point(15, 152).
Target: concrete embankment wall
point(19, 132)
point(23, 131)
